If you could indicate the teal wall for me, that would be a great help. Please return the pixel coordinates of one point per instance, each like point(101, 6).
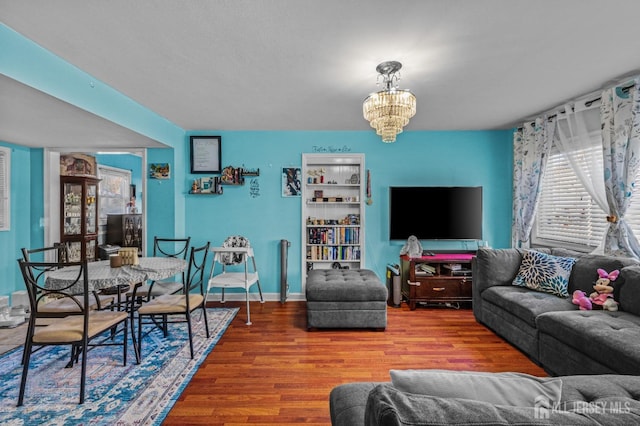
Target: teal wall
point(26, 206)
point(257, 209)
point(448, 158)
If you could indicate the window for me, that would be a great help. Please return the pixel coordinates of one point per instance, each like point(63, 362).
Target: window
point(114, 189)
point(5, 188)
point(567, 216)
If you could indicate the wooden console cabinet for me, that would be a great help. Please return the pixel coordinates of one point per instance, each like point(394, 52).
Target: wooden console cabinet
point(441, 278)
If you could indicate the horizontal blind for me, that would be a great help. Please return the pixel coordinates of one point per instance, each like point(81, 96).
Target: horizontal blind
point(566, 212)
point(5, 185)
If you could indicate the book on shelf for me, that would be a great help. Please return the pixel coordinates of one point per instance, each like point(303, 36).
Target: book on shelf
point(425, 268)
point(452, 266)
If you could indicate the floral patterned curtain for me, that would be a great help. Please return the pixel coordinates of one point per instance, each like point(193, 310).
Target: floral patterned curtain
point(531, 147)
point(620, 115)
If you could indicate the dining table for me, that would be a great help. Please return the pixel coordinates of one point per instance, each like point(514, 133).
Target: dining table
point(101, 275)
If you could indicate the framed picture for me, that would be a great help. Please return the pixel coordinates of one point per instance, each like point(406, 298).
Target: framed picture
point(159, 171)
point(291, 182)
point(206, 154)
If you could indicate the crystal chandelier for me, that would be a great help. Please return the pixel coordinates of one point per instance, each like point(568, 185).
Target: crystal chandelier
point(389, 110)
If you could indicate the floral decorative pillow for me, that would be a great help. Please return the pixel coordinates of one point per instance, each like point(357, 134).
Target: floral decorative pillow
point(545, 272)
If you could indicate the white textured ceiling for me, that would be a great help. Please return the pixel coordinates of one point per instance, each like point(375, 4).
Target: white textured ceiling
point(308, 65)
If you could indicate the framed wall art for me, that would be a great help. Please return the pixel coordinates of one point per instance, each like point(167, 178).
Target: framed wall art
point(206, 154)
point(159, 171)
point(291, 182)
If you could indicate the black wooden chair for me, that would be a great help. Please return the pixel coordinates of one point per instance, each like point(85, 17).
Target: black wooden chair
point(176, 308)
point(81, 329)
point(165, 247)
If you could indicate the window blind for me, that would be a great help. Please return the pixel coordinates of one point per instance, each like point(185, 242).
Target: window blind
point(567, 215)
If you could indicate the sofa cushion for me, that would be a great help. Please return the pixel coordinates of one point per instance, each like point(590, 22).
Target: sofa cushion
point(585, 271)
point(348, 401)
point(514, 389)
point(524, 303)
point(344, 285)
point(609, 338)
point(601, 387)
point(387, 405)
point(627, 289)
point(544, 272)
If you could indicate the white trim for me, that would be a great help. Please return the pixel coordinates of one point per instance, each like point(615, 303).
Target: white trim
point(5, 188)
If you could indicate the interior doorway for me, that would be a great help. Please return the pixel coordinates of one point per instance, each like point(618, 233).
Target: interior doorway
point(51, 220)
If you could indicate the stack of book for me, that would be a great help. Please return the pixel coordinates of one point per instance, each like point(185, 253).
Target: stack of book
point(425, 269)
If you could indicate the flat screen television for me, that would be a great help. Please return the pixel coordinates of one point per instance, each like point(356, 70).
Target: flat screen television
point(435, 212)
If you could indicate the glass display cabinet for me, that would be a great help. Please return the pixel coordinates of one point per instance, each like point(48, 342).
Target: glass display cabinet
point(79, 216)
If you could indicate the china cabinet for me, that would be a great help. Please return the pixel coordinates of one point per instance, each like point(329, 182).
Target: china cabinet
point(79, 216)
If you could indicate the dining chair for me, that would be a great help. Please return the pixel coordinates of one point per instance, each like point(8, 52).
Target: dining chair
point(235, 251)
point(165, 247)
point(178, 308)
point(61, 307)
point(85, 329)
point(59, 253)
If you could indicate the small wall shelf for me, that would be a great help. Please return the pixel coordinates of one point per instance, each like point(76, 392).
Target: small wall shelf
point(204, 193)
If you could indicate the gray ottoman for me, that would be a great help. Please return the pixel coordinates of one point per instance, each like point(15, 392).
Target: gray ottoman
point(345, 298)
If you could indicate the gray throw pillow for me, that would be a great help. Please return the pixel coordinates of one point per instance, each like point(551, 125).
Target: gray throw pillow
point(512, 389)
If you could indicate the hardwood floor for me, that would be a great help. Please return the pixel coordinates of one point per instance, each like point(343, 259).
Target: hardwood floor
point(277, 372)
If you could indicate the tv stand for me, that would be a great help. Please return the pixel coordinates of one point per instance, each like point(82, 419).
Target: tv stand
point(442, 278)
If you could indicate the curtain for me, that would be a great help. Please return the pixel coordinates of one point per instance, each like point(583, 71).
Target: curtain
point(579, 139)
point(620, 115)
point(531, 146)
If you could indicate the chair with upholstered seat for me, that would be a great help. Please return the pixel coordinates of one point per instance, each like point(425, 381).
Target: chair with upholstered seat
point(172, 308)
point(61, 307)
point(81, 330)
point(59, 252)
point(237, 251)
point(165, 247)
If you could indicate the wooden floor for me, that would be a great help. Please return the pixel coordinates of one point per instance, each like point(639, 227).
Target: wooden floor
point(277, 372)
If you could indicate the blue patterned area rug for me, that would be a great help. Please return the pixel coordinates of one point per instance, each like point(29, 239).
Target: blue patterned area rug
point(135, 394)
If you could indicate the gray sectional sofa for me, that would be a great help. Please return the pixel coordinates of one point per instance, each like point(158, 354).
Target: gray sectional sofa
point(586, 400)
point(595, 354)
point(551, 330)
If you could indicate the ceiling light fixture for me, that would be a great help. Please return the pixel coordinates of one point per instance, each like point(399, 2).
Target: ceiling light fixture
point(389, 110)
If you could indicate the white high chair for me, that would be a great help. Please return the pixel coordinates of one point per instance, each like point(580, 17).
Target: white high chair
point(234, 251)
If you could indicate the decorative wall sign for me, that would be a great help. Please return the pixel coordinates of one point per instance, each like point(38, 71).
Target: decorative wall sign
point(75, 164)
point(254, 188)
point(330, 149)
point(206, 154)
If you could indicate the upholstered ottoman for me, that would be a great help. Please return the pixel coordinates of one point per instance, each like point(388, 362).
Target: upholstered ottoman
point(345, 298)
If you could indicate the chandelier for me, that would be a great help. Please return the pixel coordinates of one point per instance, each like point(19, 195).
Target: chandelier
point(389, 110)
